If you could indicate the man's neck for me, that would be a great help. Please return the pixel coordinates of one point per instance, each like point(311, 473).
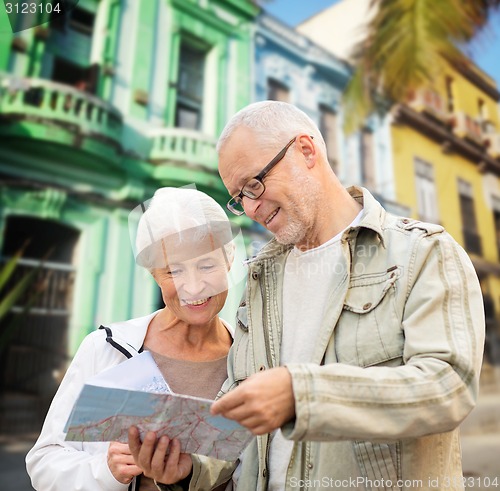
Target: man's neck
point(338, 214)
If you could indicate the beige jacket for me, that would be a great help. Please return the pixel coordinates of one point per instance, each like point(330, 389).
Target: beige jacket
point(396, 368)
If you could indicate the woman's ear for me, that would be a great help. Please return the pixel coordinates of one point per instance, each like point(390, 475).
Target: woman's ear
point(229, 253)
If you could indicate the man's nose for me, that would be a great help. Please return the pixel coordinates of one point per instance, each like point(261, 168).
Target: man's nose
point(250, 206)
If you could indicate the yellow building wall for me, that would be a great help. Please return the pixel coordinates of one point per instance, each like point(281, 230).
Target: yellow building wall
point(409, 144)
point(466, 94)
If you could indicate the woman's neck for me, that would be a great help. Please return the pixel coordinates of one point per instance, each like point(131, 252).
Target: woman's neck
point(173, 337)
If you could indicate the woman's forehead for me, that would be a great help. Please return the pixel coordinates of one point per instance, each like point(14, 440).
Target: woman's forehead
point(193, 253)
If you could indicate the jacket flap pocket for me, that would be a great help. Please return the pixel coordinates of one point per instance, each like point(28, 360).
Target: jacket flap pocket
point(367, 291)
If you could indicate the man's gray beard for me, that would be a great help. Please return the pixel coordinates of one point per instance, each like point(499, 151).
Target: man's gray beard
point(292, 233)
point(299, 223)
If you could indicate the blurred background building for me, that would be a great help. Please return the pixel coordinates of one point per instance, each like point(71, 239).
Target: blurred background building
point(445, 151)
point(101, 106)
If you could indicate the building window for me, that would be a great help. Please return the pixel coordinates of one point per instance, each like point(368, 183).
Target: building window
point(496, 220)
point(276, 91)
point(483, 117)
point(367, 159)
point(426, 192)
point(69, 73)
point(472, 240)
point(450, 95)
point(76, 19)
point(189, 109)
point(328, 128)
point(82, 21)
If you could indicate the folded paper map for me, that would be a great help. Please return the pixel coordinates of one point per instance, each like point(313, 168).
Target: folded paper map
point(103, 412)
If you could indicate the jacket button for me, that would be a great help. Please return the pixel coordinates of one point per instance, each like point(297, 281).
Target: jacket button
point(405, 220)
point(310, 465)
point(262, 368)
point(255, 275)
point(366, 306)
point(264, 473)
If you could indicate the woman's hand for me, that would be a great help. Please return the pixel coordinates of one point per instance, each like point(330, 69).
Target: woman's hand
point(121, 462)
point(160, 459)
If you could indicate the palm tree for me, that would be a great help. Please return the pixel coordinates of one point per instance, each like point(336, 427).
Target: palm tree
point(404, 49)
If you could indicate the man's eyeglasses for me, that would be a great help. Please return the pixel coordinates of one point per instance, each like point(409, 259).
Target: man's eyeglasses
point(255, 187)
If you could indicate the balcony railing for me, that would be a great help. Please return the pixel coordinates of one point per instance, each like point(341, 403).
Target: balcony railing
point(472, 242)
point(47, 100)
point(182, 145)
point(492, 140)
point(431, 102)
point(466, 126)
point(50, 290)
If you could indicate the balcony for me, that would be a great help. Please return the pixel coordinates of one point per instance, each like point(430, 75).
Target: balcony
point(467, 127)
point(462, 134)
point(492, 141)
point(430, 102)
point(44, 101)
point(185, 146)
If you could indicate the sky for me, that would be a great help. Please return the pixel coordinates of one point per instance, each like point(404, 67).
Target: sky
point(484, 50)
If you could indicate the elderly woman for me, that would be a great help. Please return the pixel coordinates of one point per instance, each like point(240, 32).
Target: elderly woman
point(184, 240)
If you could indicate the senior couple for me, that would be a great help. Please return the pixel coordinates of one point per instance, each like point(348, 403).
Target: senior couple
point(359, 370)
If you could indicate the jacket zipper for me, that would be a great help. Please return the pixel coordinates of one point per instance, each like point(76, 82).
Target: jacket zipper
point(270, 364)
point(266, 328)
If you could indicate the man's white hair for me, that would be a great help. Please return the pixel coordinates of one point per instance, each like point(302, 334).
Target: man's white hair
point(272, 122)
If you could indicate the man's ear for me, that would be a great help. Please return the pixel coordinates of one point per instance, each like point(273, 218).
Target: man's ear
point(308, 150)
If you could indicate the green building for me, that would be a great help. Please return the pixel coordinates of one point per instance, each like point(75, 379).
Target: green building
point(98, 108)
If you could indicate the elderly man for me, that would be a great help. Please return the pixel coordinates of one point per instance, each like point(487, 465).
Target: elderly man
point(359, 349)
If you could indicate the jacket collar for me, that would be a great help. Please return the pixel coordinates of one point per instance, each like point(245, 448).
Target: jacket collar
point(373, 213)
point(131, 333)
point(372, 219)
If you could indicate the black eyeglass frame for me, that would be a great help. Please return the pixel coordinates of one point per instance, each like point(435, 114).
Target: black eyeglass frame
point(259, 177)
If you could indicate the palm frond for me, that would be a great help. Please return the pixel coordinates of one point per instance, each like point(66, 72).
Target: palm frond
point(9, 267)
point(9, 300)
point(406, 46)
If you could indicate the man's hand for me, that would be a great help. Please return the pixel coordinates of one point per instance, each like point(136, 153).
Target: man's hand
point(151, 456)
point(121, 463)
point(262, 403)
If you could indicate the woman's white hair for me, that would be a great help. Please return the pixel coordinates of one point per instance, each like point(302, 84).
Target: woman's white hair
point(176, 217)
point(272, 121)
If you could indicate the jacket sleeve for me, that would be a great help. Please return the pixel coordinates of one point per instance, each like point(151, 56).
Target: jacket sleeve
point(56, 465)
point(437, 384)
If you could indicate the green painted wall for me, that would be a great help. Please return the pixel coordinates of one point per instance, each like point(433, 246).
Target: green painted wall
point(54, 138)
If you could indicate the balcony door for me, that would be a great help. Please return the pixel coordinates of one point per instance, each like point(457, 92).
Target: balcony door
point(34, 352)
point(191, 79)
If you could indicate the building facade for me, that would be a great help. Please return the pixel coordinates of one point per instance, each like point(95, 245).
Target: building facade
point(450, 173)
point(445, 152)
point(290, 67)
point(98, 108)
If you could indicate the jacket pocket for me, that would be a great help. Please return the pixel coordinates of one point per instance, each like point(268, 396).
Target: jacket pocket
point(369, 329)
point(380, 464)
